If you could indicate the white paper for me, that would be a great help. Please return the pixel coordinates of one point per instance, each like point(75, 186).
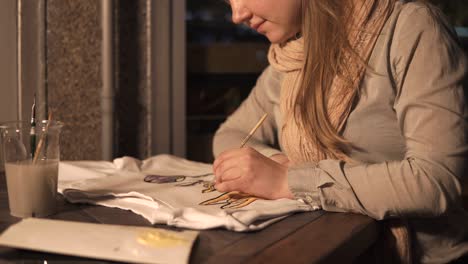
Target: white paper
point(100, 241)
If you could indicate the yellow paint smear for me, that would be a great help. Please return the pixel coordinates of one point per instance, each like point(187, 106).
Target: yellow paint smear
point(157, 238)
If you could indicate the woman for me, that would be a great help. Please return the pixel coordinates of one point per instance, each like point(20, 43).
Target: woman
point(367, 114)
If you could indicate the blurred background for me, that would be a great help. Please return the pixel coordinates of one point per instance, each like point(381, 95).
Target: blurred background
point(134, 77)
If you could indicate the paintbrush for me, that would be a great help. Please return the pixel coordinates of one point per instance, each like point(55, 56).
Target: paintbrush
point(41, 143)
point(32, 131)
point(259, 123)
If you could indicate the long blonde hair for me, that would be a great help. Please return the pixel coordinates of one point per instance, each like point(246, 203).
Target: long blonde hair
point(325, 33)
point(325, 28)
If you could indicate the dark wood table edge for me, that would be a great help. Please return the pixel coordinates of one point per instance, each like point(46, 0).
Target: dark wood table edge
point(364, 233)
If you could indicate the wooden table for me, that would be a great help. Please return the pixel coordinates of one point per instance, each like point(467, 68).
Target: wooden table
point(315, 237)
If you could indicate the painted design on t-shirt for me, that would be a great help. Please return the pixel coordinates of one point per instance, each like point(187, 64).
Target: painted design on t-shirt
point(159, 179)
point(227, 200)
point(163, 179)
point(231, 200)
point(207, 185)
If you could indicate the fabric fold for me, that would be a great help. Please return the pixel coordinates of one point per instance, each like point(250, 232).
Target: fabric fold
point(165, 189)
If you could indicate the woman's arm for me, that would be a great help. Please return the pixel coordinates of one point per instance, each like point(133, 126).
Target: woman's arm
point(430, 71)
point(260, 101)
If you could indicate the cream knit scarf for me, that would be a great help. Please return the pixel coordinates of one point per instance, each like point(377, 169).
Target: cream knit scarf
point(289, 59)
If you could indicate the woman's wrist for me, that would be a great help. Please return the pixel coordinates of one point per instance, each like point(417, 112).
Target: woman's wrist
point(282, 190)
point(281, 159)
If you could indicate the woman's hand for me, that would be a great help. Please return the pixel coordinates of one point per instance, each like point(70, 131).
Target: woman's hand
point(248, 171)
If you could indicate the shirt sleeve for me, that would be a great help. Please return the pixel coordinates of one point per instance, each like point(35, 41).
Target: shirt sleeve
point(262, 99)
point(430, 71)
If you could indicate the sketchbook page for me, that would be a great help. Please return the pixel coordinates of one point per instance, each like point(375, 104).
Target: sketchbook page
point(100, 241)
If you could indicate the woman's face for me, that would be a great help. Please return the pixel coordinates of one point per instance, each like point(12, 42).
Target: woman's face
point(278, 20)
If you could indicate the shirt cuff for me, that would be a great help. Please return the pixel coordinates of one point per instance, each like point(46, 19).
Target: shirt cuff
point(303, 181)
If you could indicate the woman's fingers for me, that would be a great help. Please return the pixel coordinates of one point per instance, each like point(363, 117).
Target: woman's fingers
point(231, 157)
point(233, 185)
point(225, 155)
point(224, 186)
point(229, 174)
point(228, 164)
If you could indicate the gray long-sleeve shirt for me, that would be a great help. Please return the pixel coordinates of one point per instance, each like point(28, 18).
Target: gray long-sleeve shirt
point(409, 127)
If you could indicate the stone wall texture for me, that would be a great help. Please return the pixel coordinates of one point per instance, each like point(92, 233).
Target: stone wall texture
point(74, 76)
point(73, 57)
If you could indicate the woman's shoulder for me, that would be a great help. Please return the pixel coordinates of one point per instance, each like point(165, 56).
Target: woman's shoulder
point(417, 8)
point(421, 26)
point(415, 17)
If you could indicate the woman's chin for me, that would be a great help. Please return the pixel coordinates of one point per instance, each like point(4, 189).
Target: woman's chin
point(277, 38)
point(274, 40)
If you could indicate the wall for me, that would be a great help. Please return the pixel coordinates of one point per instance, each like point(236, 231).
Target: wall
point(8, 64)
point(73, 45)
point(60, 60)
point(74, 37)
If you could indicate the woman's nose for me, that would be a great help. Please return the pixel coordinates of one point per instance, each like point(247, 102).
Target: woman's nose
point(240, 13)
